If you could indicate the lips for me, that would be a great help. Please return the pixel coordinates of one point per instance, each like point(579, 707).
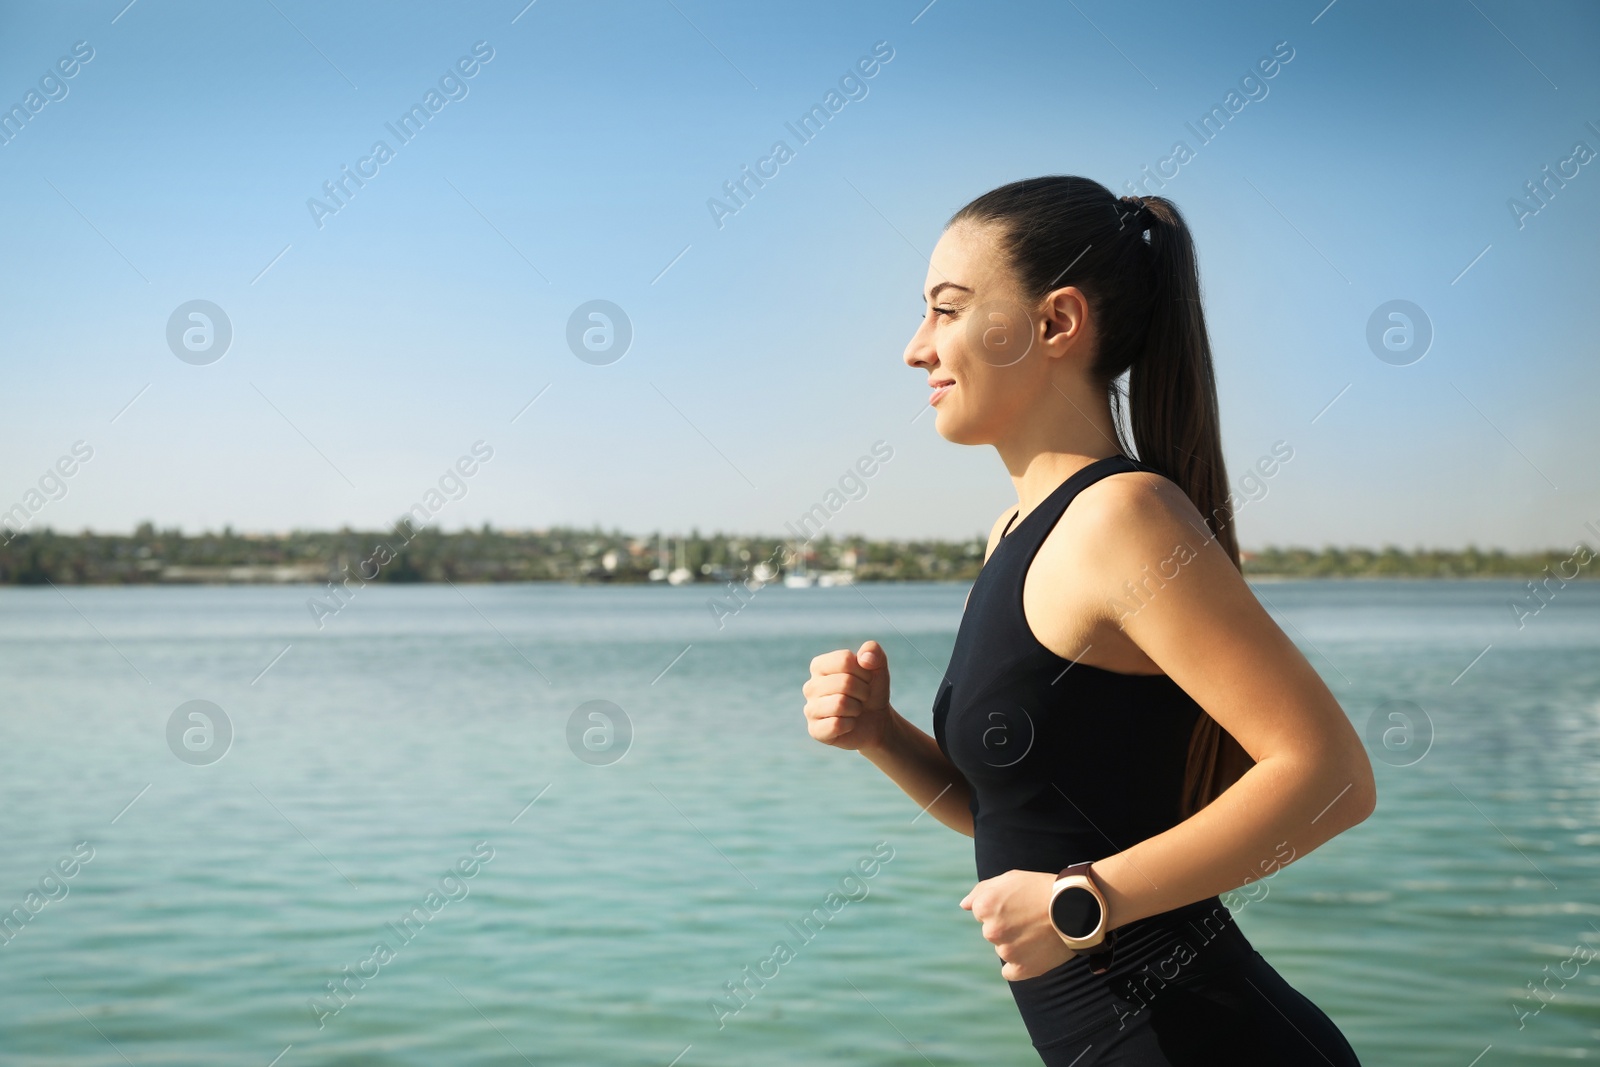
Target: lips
point(940, 388)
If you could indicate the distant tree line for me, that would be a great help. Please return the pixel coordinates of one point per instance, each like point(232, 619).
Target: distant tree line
point(1392, 562)
point(149, 556)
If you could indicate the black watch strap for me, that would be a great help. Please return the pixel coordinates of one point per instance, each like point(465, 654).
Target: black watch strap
point(1100, 958)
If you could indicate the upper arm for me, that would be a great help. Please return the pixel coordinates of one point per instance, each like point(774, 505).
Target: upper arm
point(1190, 610)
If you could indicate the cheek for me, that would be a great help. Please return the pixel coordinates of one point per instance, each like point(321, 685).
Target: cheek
point(985, 395)
point(956, 355)
point(980, 387)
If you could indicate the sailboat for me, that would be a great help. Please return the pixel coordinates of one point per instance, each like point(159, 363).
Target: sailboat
point(800, 577)
point(658, 573)
point(680, 574)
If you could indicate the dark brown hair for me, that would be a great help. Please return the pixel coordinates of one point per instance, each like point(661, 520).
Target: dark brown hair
point(1145, 297)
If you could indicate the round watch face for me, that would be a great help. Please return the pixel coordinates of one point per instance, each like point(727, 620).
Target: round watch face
point(1075, 911)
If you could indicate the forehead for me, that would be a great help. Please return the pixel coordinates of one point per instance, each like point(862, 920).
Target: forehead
point(968, 254)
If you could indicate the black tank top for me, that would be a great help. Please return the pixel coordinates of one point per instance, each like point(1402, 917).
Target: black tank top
point(1066, 762)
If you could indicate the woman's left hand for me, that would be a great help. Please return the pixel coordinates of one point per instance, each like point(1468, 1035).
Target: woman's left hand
point(1015, 911)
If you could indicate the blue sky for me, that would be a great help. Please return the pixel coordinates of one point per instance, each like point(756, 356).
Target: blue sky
point(371, 352)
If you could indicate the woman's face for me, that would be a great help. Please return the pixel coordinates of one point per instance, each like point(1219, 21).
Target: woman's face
point(977, 338)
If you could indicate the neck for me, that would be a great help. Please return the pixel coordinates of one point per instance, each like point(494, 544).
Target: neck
point(1069, 428)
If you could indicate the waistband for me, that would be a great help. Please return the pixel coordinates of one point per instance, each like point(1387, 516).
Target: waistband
point(1151, 954)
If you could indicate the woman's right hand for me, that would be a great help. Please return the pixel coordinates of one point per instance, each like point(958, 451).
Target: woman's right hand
point(847, 697)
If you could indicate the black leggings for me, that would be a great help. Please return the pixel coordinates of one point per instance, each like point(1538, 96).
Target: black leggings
point(1243, 1013)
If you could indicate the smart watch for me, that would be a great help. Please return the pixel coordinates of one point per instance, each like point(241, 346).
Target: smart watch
point(1079, 914)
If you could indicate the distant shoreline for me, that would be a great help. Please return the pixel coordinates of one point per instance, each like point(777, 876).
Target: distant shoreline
point(406, 554)
point(711, 587)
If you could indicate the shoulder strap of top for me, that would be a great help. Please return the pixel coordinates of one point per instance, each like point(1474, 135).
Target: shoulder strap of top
point(1082, 479)
point(1042, 519)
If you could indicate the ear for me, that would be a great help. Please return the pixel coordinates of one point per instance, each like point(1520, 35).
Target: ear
point(1063, 316)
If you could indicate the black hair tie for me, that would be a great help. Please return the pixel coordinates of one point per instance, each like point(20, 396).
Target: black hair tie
point(1133, 209)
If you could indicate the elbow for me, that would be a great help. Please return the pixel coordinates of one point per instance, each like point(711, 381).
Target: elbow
point(1369, 802)
point(1339, 790)
point(1364, 804)
point(1360, 797)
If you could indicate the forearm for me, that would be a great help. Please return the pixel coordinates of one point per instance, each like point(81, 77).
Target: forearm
point(912, 760)
point(1279, 810)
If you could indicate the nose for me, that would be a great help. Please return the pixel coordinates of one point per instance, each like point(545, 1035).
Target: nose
point(919, 350)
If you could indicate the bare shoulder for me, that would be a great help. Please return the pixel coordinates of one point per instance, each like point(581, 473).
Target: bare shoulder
point(1119, 542)
point(1128, 525)
point(1134, 509)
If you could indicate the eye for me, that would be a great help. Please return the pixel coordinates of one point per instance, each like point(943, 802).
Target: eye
point(944, 311)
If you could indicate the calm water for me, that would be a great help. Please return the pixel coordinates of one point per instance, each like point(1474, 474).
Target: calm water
point(418, 725)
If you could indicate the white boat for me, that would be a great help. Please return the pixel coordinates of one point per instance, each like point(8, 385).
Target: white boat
point(800, 577)
point(658, 573)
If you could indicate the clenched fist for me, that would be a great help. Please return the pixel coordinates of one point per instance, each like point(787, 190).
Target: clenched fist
point(847, 697)
point(1014, 909)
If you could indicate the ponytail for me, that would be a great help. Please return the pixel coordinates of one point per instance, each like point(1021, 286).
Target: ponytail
point(1172, 410)
point(1146, 299)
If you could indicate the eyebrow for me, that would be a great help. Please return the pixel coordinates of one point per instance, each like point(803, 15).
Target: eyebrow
point(934, 294)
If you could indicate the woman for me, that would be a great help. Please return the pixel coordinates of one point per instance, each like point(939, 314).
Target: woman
point(1123, 730)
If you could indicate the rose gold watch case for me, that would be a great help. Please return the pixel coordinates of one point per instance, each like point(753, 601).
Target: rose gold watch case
point(1077, 876)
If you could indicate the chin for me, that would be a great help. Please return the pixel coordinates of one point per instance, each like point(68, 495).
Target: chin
point(959, 431)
